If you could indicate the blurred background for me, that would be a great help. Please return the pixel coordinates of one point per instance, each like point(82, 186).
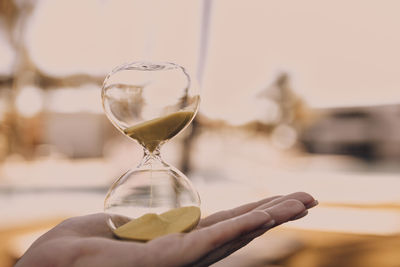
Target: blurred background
point(296, 96)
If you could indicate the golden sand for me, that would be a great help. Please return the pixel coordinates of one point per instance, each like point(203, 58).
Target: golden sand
point(150, 226)
point(151, 133)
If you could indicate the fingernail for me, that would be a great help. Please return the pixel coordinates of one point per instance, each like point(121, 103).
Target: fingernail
point(301, 215)
point(312, 204)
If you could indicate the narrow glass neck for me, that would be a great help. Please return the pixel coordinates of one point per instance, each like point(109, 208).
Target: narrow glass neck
point(152, 159)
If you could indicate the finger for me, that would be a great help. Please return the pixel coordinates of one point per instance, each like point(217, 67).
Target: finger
point(299, 216)
point(287, 210)
point(281, 212)
point(207, 241)
point(227, 214)
point(246, 239)
point(305, 198)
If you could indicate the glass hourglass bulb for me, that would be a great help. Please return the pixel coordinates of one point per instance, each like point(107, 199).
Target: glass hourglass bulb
point(150, 103)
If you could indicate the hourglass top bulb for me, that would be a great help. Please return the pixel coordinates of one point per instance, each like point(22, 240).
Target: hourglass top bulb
point(150, 102)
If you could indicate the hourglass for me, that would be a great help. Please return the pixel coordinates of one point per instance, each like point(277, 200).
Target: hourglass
point(151, 103)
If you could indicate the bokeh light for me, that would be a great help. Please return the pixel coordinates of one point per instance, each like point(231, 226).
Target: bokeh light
point(29, 101)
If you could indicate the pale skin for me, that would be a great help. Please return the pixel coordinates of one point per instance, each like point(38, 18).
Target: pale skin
point(88, 241)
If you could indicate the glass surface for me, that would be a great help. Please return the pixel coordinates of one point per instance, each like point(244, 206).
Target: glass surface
point(150, 103)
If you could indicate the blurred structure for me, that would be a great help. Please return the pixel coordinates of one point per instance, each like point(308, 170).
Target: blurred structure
point(42, 113)
point(292, 116)
point(283, 113)
point(371, 133)
point(291, 106)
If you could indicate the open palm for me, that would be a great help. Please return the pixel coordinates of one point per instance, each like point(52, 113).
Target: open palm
point(88, 241)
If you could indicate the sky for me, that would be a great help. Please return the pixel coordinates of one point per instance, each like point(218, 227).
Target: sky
point(338, 53)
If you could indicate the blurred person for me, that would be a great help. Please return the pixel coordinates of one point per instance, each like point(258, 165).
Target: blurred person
point(88, 241)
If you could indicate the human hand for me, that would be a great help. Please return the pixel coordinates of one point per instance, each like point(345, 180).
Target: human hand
point(88, 241)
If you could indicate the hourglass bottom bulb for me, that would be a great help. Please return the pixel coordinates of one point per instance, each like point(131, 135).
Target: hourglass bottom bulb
point(150, 226)
point(152, 201)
